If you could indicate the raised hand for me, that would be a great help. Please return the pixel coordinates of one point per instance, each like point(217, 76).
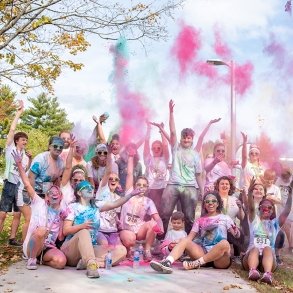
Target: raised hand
point(29, 154)
point(251, 185)
point(215, 120)
point(171, 106)
point(95, 119)
point(131, 151)
point(17, 156)
point(72, 140)
point(19, 106)
point(244, 136)
point(136, 191)
point(103, 117)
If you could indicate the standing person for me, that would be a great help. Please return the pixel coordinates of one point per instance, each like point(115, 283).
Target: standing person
point(156, 165)
point(207, 241)
point(264, 228)
point(185, 173)
point(11, 192)
point(44, 229)
point(47, 167)
point(215, 166)
point(78, 153)
point(133, 213)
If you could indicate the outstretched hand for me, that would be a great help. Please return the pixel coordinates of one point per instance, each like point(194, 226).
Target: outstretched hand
point(136, 191)
point(215, 120)
point(131, 151)
point(72, 140)
point(244, 136)
point(171, 106)
point(251, 185)
point(17, 156)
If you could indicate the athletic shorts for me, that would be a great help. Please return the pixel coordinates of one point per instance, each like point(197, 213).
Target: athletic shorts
point(23, 198)
point(9, 197)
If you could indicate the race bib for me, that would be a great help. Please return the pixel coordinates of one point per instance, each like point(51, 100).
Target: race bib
point(261, 243)
point(132, 219)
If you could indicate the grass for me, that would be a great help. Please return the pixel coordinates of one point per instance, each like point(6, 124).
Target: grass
point(283, 277)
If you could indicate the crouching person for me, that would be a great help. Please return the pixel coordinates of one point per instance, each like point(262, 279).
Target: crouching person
point(44, 231)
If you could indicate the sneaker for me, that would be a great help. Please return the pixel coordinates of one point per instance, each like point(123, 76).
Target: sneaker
point(267, 278)
point(237, 259)
point(14, 242)
point(147, 256)
point(24, 257)
point(163, 266)
point(81, 265)
point(31, 264)
point(279, 260)
point(192, 264)
point(92, 269)
point(253, 275)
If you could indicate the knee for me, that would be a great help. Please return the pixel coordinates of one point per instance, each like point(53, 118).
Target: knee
point(84, 233)
point(2, 216)
point(224, 245)
point(40, 232)
point(128, 240)
point(267, 251)
point(59, 262)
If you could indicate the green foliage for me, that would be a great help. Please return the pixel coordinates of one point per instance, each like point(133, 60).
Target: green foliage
point(45, 115)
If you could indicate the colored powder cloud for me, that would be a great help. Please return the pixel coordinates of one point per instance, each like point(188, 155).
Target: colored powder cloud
point(243, 77)
point(186, 46)
point(220, 48)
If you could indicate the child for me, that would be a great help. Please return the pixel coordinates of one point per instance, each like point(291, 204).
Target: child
point(175, 234)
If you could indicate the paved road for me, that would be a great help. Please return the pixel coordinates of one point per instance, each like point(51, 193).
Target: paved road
point(121, 279)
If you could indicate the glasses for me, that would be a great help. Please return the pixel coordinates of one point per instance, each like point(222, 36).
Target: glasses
point(76, 180)
point(220, 151)
point(208, 201)
point(87, 188)
point(57, 147)
point(254, 154)
point(102, 153)
point(266, 207)
point(141, 185)
point(114, 179)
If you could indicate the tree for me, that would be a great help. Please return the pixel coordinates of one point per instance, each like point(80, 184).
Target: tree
point(46, 115)
point(33, 33)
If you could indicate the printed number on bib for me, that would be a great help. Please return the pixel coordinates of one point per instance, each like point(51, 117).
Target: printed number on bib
point(132, 219)
point(261, 242)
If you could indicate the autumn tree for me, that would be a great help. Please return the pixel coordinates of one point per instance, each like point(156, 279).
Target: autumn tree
point(34, 33)
point(45, 115)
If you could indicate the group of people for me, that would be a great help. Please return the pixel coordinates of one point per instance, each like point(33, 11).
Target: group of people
point(79, 202)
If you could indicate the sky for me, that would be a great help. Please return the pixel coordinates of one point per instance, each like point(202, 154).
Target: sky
point(256, 34)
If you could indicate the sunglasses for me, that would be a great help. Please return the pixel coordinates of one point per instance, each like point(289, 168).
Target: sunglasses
point(102, 153)
point(253, 153)
point(141, 185)
point(113, 179)
point(220, 151)
point(208, 201)
point(57, 147)
point(76, 180)
point(87, 188)
point(266, 207)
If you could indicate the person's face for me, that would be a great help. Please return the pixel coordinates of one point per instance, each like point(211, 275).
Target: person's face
point(286, 176)
point(186, 141)
point(258, 192)
point(220, 152)
point(113, 181)
point(55, 149)
point(157, 149)
point(177, 224)
point(66, 138)
point(142, 184)
point(266, 209)
point(268, 181)
point(87, 192)
point(115, 147)
point(211, 204)
point(102, 154)
point(21, 143)
point(224, 186)
point(253, 156)
point(54, 196)
point(76, 178)
point(79, 150)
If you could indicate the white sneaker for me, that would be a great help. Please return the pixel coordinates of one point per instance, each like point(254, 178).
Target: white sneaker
point(31, 264)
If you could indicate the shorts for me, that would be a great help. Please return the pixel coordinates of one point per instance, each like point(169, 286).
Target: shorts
point(23, 198)
point(112, 238)
point(244, 262)
point(9, 197)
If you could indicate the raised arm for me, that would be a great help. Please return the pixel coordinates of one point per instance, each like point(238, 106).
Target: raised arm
point(13, 125)
point(68, 163)
point(108, 169)
point(173, 138)
point(18, 158)
point(130, 163)
point(146, 147)
point(99, 130)
point(204, 132)
point(244, 150)
point(288, 206)
point(251, 205)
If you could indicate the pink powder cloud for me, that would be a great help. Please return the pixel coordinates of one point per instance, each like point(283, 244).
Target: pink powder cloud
point(221, 49)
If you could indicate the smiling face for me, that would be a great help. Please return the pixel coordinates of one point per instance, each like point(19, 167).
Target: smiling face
point(266, 209)
point(87, 192)
point(210, 204)
point(115, 147)
point(65, 136)
point(76, 178)
point(21, 143)
point(186, 141)
point(254, 156)
point(113, 181)
point(258, 192)
point(142, 184)
point(53, 196)
point(55, 150)
point(157, 149)
point(224, 187)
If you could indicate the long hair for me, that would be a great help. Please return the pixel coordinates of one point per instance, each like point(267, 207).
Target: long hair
point(218, 197)
point(232, 186)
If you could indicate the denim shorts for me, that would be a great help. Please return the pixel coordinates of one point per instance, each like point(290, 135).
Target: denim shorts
point(23, 199)
point(9, 197)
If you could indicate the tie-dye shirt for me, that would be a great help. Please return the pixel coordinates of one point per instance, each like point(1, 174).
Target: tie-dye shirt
point(79, 214)
point(265, 229)
point(211, 230)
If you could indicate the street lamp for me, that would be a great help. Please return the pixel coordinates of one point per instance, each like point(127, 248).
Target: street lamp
point(233, 103)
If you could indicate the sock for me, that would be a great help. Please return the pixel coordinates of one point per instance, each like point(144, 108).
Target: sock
point(201, 261)
point(170, 259)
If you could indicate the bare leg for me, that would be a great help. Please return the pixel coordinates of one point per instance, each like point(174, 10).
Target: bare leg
point(36, 242)
point(128, 238)
point(26, 211)
point(253, 258)
point(15, 224)
point(218, 251)
point(2, 220)
point(267, 259)
point(146, 233)
point(55, 258)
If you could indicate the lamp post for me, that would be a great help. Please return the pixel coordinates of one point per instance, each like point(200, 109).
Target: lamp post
point(232, 103)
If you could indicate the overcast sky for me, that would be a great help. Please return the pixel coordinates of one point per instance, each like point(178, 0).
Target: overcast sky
point(257, 32)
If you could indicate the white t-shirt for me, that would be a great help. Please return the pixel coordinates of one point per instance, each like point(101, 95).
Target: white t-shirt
point(230, 207)
point(156, 172)
point(250, 171)
point(275, 192)
point(219, 170)
point(68, 194)
point(134, 211)
point(43, 216)
point(108, 221)
point(174, 235)
point(11, 171)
